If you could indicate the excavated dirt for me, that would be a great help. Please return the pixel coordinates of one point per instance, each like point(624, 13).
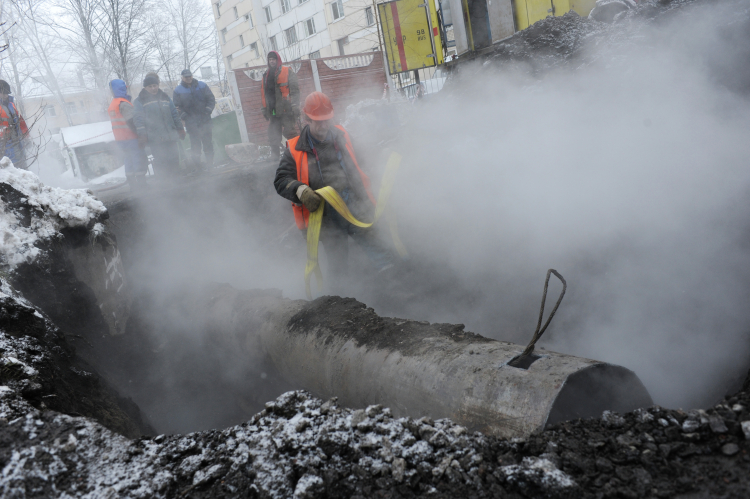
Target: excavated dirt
point(368, 329)
point(301, 447)
point(572, 42)
point(37, 362)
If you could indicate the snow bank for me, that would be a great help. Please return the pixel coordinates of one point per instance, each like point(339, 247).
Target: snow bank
point(43, 211)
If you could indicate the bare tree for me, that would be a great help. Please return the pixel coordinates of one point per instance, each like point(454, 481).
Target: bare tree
point(163, 42)
point(193, 24)
point(83, 29)
point(41, 46)
point(126, 30)
point(10, 51)
point(221, 72)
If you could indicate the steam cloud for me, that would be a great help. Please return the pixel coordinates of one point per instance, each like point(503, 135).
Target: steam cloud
point(628, 174)
point(627, 171)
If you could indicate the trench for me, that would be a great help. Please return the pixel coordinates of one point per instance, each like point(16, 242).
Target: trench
point(171, 241)
point(209, 341)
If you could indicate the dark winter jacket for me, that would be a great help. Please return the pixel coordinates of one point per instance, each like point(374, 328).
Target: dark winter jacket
point(156, 117)
point(282, 105)
point(195, 102)
point(344, 178)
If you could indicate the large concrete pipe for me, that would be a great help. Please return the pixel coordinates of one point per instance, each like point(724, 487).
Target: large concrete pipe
point(336, 346)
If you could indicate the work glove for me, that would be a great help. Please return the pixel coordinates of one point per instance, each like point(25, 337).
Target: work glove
point(309, 198)
point(181, 133)
point(265, 113)
point(142, 141)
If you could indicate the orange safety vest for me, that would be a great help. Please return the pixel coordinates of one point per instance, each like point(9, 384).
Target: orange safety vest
point(119, 126)
point(282, 80)
point(301, 214)
point(7, 122)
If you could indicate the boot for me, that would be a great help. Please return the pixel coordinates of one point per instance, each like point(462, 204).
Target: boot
point(131, 182)
point(198, 167)
point(275, 154)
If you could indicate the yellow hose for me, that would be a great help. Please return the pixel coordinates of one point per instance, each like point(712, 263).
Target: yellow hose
point(330, 195)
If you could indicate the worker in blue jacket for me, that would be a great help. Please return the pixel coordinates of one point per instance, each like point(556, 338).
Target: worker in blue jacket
point(195, 103)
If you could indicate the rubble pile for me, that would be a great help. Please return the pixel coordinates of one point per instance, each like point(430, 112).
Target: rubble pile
point(300, 446)
point(572, 42)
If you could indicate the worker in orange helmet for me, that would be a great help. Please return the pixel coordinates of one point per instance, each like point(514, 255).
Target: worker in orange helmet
point(323, 155)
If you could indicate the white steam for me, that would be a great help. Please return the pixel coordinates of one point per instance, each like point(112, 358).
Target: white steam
point(628, 174)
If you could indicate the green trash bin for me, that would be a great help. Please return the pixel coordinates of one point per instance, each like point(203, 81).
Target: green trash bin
point(226, 130)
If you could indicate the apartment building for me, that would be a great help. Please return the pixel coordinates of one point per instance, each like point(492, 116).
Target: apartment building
point(297, 29)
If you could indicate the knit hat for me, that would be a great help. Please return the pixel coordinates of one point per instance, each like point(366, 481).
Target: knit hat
point(154, 74)
point(150, 80)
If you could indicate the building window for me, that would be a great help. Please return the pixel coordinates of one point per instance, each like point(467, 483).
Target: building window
point(269, 17)
point(272, 42)
point(291, 36)
point(254, 49)
point(51, 111)
point(218, 10)
point(310, 27)
point(285, 6)
point(249, 20)
point(337, 9)
point(302, 1)
point(242, 41)
point(341, 42)
point(224, 35)
point(70, 108)
point(236, 14)
point(229, 61)
point(369, 16)
point(315, 55)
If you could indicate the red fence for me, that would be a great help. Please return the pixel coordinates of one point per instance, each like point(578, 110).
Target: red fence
point(345, 80)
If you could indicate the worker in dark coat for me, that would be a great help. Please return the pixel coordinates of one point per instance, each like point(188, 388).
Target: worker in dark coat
point(158, 124)
point(13, 129)
point(195, 103)
point(323, 155)
point(279, 91)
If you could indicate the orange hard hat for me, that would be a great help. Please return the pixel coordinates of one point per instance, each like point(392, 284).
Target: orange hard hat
point(318, 107)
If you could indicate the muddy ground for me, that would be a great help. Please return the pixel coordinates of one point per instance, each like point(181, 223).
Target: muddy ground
point(299, 446)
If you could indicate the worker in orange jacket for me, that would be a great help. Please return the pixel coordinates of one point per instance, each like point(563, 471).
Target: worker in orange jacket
point(122, 114)
point(323, 155)
point(279, 94)
point(13, 129)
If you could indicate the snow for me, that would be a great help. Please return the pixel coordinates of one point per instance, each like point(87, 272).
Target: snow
point(52, 209)
point(117, 175)
point(540, 470)
point(296, 432)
